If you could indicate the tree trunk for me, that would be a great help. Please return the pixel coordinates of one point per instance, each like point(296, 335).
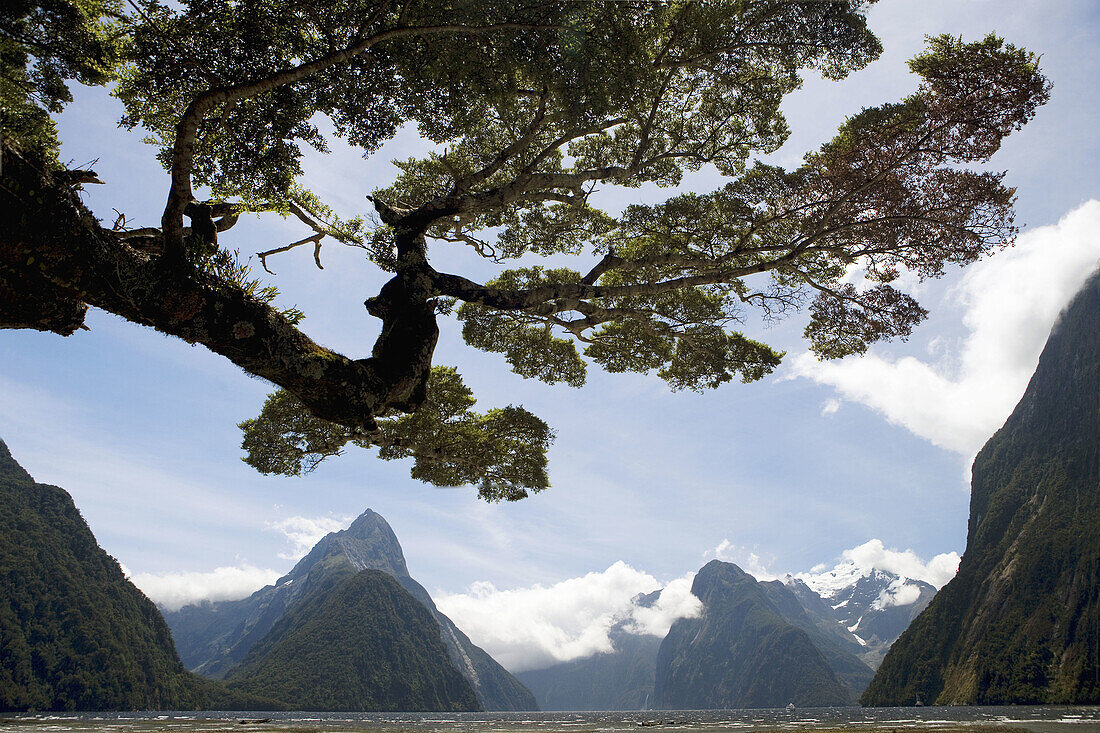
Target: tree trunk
point(56, 259)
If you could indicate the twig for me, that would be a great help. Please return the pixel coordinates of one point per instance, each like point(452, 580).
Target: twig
point(316, 239)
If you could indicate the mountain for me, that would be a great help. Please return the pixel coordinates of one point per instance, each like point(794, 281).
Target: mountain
point(618, 680)
point(839, 649)
point(75, 634)
point(875, 606)
point(215, 637)
point(361, 642)
point(1020, 622)
point(741, 652)
point(825, 618)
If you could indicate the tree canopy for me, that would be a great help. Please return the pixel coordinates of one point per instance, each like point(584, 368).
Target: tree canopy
point(530, 106)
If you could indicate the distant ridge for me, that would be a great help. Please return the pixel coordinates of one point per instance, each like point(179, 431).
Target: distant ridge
point(1020, 622)
point(876, 602)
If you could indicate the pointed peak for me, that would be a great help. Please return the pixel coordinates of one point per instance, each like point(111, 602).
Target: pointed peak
point(368, 544)
point(366, 524)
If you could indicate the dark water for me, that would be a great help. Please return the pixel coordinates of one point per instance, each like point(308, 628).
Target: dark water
point(1038, 718)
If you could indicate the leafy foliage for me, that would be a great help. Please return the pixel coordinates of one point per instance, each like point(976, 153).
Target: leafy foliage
point(42, 46)
point(502, 450)
point(530, 108)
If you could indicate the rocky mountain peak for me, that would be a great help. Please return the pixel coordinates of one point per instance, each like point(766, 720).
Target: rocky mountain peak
point(370, 544)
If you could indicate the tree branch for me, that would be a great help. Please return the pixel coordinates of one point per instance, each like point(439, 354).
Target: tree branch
point(186, 131)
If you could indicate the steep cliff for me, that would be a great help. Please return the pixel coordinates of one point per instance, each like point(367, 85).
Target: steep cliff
point(1020, 623)
point(75, 634)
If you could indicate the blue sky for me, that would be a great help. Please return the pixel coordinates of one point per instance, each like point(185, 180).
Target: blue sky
point(792, 470)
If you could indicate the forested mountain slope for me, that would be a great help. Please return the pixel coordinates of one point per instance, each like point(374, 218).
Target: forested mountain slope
point(1020, 623)
point(359, 642)
point(75, 634)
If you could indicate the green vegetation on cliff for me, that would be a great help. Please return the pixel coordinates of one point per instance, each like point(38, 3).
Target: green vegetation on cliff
point(213, 638)
point(1020, 623)
point(74, 633)
point(359, 642)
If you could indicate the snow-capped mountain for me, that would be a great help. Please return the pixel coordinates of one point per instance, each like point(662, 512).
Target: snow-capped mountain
point(875, 605)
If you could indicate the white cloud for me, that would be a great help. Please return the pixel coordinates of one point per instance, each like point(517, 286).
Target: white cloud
point(676, 601)
point(830, 407)
point(305, 532)
point(538, 626)
point(873, 555)
point(898, 593)
point(172, 591)
point(1012, 300)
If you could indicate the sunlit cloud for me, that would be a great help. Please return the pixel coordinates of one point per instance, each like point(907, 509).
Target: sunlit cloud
point(861, 560)
point(305, 532)
point(1011, 301)
point(172, 591)
point(538, 626)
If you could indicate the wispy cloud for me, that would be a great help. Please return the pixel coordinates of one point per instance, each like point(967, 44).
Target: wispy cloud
point(173, 591)
point(305, 532)
point(1011, 301)
point(745, 558)
point(538, 626)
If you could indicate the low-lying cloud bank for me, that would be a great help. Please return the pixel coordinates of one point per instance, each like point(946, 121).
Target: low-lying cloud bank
point(172, 591)
point(538, 626)
point(1011, 300)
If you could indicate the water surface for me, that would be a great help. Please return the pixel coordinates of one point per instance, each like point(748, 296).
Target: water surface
point(1040, 719)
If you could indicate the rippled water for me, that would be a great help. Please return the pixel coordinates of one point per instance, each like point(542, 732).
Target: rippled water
point(1039, 718)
